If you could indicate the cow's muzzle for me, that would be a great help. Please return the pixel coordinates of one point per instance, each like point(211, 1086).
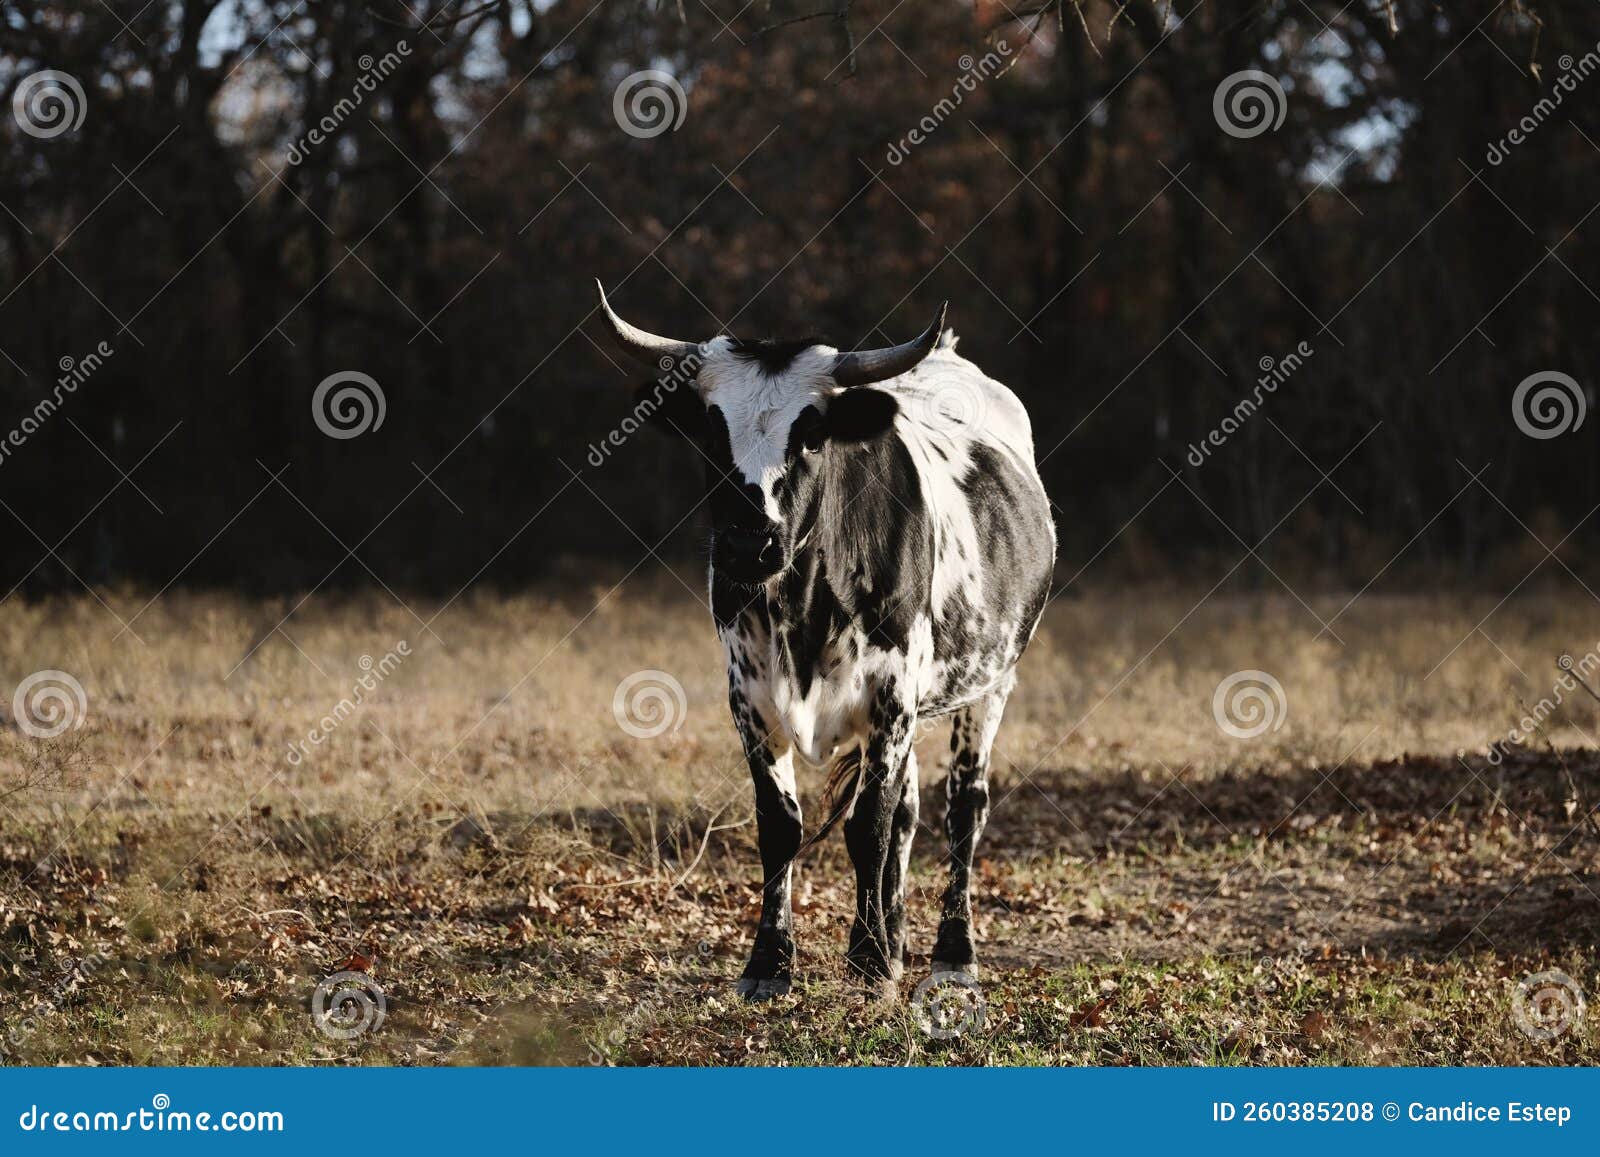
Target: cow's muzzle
point(747, 556)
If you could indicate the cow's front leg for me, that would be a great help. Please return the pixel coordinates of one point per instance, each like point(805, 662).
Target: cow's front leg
point(869, 835)
point(770, 971)
point(898, 866)
point(967, 808)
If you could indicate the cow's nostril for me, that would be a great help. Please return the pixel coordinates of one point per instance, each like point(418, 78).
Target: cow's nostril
point(758, 548)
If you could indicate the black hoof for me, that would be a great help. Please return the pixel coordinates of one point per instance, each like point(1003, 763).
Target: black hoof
point(940, 967)
point(952, 951)
point(754, 989)
point(771, 969)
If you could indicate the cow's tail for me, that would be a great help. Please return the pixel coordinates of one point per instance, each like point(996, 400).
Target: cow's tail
point(838, 795)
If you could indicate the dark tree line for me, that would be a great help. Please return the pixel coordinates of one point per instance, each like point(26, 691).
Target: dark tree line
point(265, 193)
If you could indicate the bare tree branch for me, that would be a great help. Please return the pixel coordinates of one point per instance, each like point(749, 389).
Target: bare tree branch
point(437, 20)
point(835, 13)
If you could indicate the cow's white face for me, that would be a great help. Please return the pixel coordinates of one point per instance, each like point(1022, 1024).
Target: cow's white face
point(768, 417)
point(772, 413)
point(774, 416)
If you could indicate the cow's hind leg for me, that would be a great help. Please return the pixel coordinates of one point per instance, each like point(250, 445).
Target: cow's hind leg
point(869, 835)
point(967, 807)
point(770, 971)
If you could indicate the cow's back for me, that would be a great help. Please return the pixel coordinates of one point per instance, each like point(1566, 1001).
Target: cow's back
point(993, 538)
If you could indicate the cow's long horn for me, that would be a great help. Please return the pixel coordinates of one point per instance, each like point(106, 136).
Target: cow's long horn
point(868, 366)
point(656, 352)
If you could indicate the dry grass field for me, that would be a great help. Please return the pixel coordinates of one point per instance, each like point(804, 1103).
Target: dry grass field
point(529, 882)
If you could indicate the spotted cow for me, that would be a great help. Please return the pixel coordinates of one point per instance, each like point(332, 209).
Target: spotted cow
point(881, 552)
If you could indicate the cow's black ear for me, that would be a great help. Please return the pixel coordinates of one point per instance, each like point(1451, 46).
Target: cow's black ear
point(672, 407)
point(860, 415)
